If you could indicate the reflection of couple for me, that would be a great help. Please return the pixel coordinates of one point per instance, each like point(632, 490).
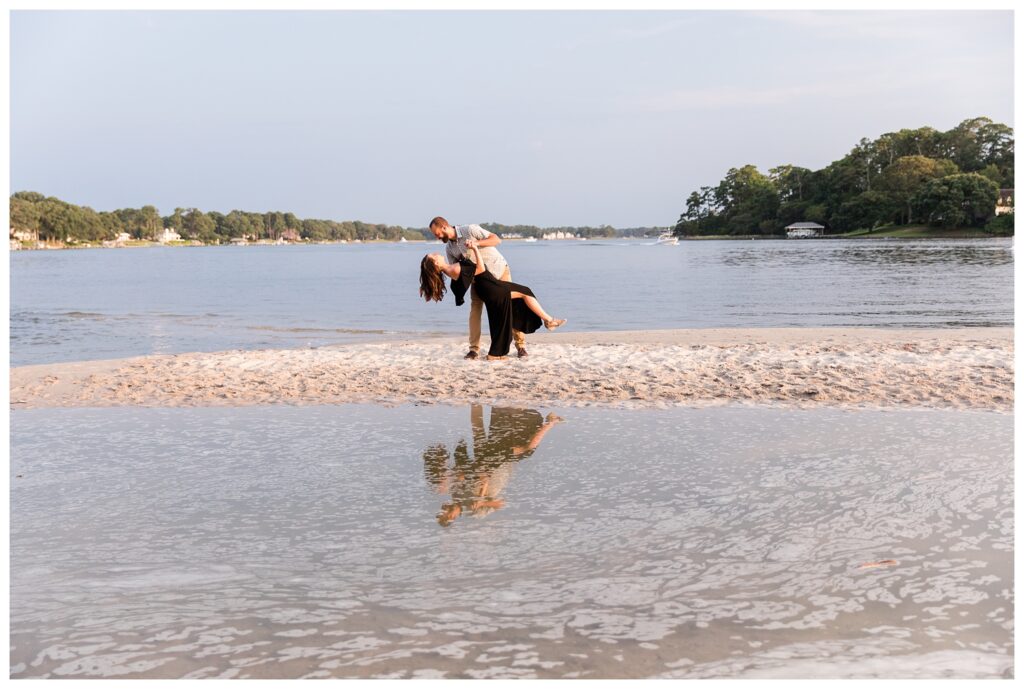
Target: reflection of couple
point(473, 264)
point(475, 483)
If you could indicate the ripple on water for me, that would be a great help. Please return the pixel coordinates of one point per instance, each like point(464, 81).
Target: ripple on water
point(307, 542)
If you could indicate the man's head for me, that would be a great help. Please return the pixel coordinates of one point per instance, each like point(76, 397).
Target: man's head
point(441, 229)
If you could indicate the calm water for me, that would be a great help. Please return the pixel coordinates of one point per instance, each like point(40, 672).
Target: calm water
point(94, 304)
point(308, 542)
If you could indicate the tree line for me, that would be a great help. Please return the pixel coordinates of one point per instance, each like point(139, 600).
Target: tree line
point(58, 221)
point(943, 179)
point(54, 220)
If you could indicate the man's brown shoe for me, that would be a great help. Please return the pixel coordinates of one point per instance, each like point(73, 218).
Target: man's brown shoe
point(472, 354)
point(521, 351)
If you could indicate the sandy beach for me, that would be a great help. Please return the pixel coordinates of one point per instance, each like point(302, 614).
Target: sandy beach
point(964, 368)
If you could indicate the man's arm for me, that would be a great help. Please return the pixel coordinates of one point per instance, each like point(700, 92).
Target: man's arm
point(483, 237)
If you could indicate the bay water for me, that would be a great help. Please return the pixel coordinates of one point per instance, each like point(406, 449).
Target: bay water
point(309, 542)
point(323, 541)
point(101, 304)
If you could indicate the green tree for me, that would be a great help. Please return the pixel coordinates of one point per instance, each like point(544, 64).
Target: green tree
point(197, 225)
point(61, 221)
point(748, 200)
point(993, 172)
point(28, 196)
point(113, 223)
point(791, 212)
point(864, 211)
point(864, 159)
point(149, 223)
point(25, 213)
point(56, 222)
point(961, 200)
point(908, 175)
point(818, 213)
point(979, 141)
point(789, 181)
point(175, 221)
point(832, 195)
point(218, 225)
point(1000, 225)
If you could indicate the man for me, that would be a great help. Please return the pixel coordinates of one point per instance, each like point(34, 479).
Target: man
point(455, 238)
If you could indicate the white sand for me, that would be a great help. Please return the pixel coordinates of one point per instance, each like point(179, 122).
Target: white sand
point(969, 368)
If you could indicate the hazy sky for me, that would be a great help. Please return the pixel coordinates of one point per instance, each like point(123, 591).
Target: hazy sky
point(546, 118)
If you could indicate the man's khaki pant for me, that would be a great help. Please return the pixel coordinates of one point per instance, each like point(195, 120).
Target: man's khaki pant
point(476, 310)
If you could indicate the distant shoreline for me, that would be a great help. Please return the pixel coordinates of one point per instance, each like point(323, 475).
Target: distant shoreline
point(938, 234)
point(141, 244)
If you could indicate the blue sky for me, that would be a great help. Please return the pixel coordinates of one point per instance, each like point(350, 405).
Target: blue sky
point(546, 118)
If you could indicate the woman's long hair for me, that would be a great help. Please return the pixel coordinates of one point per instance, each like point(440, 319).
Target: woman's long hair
point(432, 287)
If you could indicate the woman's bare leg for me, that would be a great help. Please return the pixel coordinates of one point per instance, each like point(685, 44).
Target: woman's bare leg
point(534, 305)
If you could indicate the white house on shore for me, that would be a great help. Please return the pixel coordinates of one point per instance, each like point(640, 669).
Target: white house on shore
point(1005, 202)
point(168, 235)
point(25, 235)
point(803, 230)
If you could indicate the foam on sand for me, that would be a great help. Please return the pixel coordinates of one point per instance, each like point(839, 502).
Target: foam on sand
point(968, 368)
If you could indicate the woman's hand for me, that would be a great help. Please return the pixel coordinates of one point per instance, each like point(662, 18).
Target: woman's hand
point(471, 245)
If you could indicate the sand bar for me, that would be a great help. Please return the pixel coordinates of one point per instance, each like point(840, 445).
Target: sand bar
point(963, 368)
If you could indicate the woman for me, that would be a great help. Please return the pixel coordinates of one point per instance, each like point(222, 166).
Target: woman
point(509, 305)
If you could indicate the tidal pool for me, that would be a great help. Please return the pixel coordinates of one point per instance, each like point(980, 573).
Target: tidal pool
point(437, 541)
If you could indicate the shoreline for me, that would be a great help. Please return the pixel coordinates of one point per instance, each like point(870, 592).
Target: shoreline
point(880, 235)
point(963, 368)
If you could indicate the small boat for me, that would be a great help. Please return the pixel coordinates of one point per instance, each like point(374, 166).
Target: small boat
point(668, 239)
point(530, 239)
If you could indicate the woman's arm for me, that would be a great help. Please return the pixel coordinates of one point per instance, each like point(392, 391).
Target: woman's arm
point(471, 245)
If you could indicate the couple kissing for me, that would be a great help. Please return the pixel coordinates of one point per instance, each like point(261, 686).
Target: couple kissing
point(473, 264)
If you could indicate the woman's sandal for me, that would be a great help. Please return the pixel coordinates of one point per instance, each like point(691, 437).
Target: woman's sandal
point(554, 323)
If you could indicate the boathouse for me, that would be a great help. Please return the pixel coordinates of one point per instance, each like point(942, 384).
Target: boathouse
point(802, 230)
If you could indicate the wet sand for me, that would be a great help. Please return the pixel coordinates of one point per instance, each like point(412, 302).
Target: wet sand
point(963, 368)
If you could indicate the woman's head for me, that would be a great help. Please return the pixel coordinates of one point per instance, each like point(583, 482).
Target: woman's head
point(432, 287)
point(449, 513)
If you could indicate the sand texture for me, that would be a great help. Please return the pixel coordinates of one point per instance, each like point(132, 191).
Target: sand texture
point(969, 368)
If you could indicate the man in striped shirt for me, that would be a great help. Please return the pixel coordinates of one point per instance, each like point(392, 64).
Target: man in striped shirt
point(454, 237)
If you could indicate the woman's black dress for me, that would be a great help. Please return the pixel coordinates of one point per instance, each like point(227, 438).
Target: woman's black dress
point(503, 312)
